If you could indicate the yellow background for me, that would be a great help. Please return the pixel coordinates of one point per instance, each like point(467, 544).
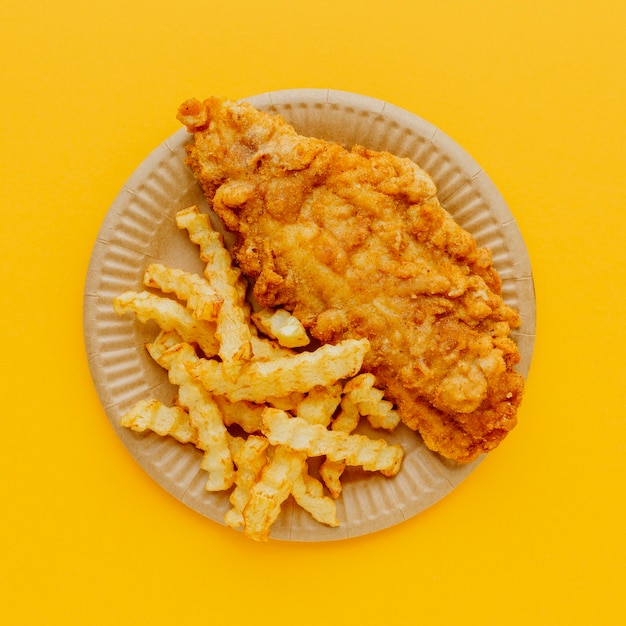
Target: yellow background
point(534, 91)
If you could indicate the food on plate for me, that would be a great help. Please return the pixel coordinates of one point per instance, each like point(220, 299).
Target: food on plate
point(236, 386)
point(355, 244)
point(374, 455)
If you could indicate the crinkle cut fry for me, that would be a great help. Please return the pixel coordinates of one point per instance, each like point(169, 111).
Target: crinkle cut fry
point(170, 316)
point(203, 411)
point(201, 298)
point(233, 330)
point(250, 459)
point(161, 419)
point(346, 421)
point(264, 349)
point(282, 376)
point(317, 440)
point(380, 413)
point(319, 405)
point(245, 414)
point(308, 492)
point(281, 325)
point(269, 493)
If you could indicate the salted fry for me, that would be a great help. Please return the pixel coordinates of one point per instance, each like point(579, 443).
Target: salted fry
point(204, 413)
point(269, 493)
point(169, 315)
point(232, 330)
point(316, 440)
point(161, 419)
point(202, 300)
point(282, 376)
point(281, 325)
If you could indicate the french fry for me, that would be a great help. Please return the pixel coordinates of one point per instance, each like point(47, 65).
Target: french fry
point(203, 301)
point(319, 405)
point(289, 402)
point(162, 419)
point(369, 400)
point(381, 414)
point(249, 377)
point(232, 330)
point(348, 417)
point(308, 492)
point(316, 440)
point(250, 458)
point(359, 388)
point(330, 473)
point(204, 413)
point(279, 377)
point(264, 349)
point(281, 325)
point(272, 489)
point(346, 421)
point(169, 315)
point(245, 414)
point(235, 445)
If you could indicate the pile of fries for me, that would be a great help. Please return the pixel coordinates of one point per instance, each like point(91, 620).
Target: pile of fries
point(252, 395)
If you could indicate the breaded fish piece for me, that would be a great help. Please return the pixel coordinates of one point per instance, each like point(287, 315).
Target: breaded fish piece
point(356, 244)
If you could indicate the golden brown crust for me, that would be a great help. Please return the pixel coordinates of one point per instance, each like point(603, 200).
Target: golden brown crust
point(356, 244)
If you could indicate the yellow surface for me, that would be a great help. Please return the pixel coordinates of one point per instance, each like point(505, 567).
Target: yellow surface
point(535, 91)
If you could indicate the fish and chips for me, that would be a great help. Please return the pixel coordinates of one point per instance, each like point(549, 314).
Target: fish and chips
point(372, 308)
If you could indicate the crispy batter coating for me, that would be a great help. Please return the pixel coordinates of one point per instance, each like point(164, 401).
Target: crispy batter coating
point(356, 244)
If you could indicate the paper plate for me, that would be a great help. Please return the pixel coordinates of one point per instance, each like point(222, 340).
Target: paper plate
point(139, 229)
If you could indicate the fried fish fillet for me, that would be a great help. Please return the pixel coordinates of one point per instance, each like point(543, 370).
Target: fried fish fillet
point(356, 244)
